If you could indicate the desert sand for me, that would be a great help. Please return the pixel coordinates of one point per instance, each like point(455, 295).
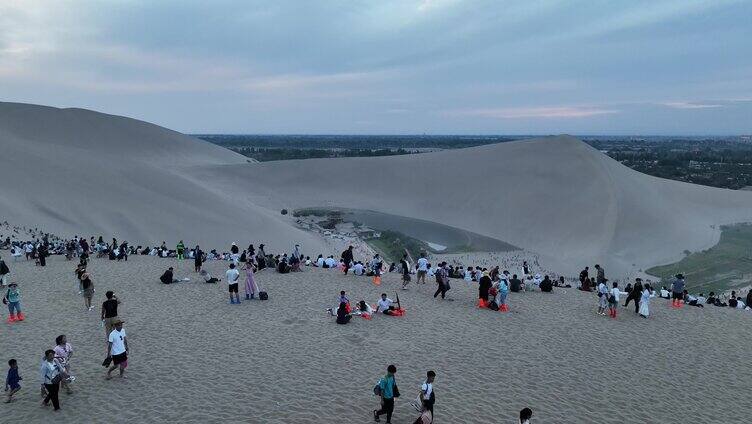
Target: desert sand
point(196, 358)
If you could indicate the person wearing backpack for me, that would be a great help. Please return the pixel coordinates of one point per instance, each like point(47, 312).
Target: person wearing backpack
point(388, 391)
point(4, 271)
point(442, 279)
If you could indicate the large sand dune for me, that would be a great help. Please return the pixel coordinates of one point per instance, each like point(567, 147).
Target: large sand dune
point(73, 171)
point(79, 171)
point(555, 195)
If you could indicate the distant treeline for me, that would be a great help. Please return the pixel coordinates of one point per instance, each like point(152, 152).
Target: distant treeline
point(263, 154)
point(714, 161)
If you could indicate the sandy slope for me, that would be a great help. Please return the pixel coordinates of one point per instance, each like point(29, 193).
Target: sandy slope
point(197, 359)
point(73, 171)
point(76, 171)
point(556, 196)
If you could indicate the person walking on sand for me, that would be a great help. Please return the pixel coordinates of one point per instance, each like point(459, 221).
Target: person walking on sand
point(233, 275)
point(387, 390)
point(117, 349)
point(180, 248)
point(347, 258)
point(647, 294)
point(109, 312)
point(636, 295)
point(442, 280)
point(88, 289)
point(250, 283)
point(405, 272)
point(51, 374)
point(63, 354)
point(11, 381)
point(198, 259)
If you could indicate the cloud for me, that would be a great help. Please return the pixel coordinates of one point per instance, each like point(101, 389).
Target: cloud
point(691, 105)
point(559, 112)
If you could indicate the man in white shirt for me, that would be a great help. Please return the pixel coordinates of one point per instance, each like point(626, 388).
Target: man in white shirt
point(320, 261)
point(422, 268)
point(385, 305)
point(330, 262)
point(358, 269)
point(117, 349)
point(233, 275)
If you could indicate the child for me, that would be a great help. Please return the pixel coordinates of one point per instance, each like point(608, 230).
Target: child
point(11, 382)
point(13, 300)
point(602, 297)
point(613, 300)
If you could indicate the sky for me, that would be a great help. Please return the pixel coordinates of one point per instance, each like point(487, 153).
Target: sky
point(627, 67)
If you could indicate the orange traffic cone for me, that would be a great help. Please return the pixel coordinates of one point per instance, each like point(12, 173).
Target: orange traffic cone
point(377, 280)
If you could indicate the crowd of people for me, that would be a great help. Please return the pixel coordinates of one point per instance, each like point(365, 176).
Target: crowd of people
point(494, 290)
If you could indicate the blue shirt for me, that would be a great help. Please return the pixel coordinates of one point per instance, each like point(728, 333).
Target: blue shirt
point(13, 378)
point(387, 386)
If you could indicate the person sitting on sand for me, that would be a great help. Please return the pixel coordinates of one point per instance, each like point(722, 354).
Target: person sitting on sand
point(515, 285)
point(207, 277)
point(283, 267)
point(732, 303)
point(167, 277)
point(385, 305)
point(358, 268)
point(546, 285)
point(665, 293)
point(363, 309)
point(343, 315)
point(484, 286)
point(691, 300)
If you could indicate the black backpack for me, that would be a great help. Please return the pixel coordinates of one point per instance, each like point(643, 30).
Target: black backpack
point(263, 296)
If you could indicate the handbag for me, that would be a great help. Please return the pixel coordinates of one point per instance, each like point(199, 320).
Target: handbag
point(107, 361)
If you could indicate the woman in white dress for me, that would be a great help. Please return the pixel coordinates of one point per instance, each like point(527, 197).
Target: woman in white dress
point(647, 294)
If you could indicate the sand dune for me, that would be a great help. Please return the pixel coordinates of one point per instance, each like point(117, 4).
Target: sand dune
point(555, 195)
point(76, 171)
point(73, 171)
point(197, 359)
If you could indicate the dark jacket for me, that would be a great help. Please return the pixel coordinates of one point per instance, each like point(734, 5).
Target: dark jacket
point(483, 286)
